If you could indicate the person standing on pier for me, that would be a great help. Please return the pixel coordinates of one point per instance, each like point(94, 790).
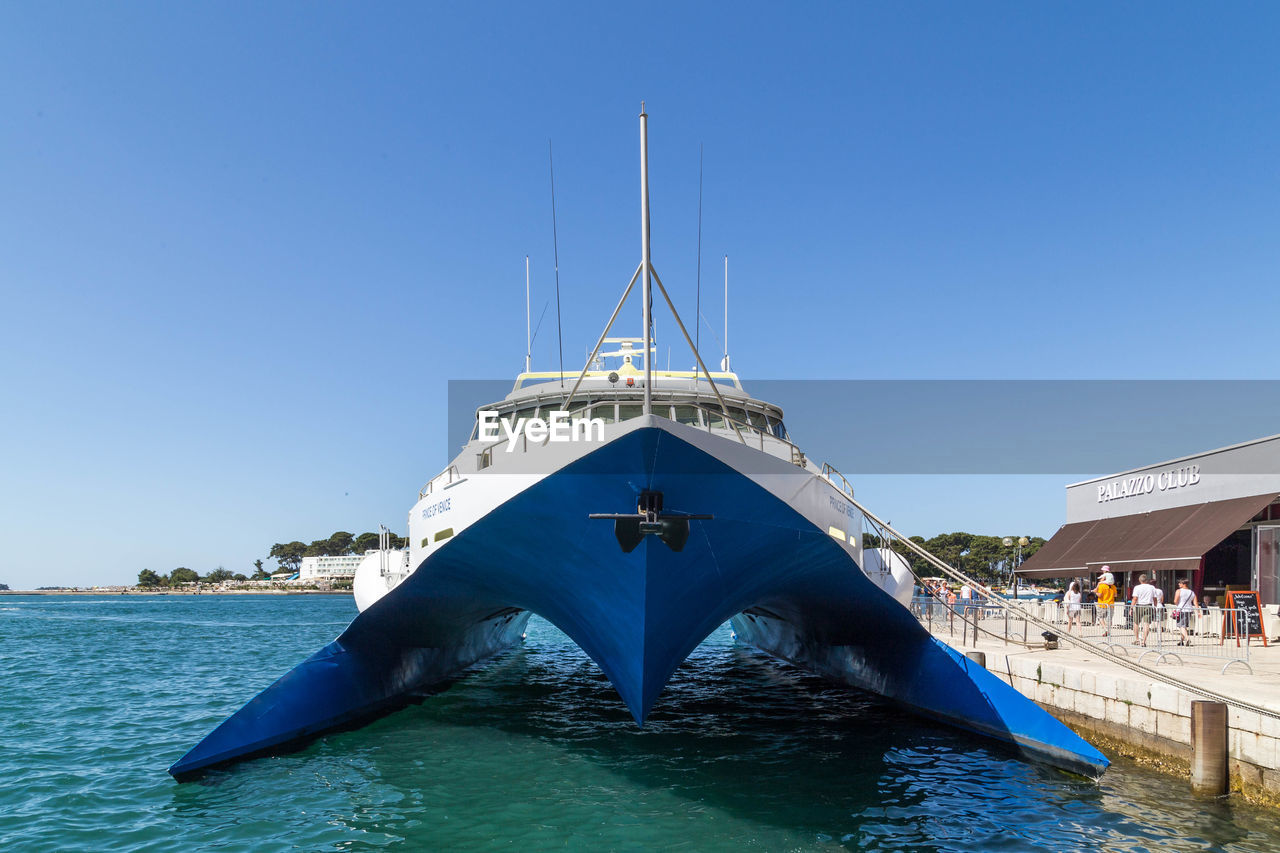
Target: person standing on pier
point(1184, 602)
point(1073, 601)
point(1143, 602)
point(1106, 599)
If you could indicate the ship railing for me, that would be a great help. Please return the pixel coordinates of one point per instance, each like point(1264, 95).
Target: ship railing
point(831, 474)
point(484, 458)
point(449, 476)
point(762, 437)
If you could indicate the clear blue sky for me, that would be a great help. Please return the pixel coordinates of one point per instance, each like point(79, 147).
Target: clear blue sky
point(243, 246)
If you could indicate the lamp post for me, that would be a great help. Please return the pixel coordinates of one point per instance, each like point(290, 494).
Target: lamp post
point(1015, 558)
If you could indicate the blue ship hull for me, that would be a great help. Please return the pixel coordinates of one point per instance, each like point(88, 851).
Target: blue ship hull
point(638, 615)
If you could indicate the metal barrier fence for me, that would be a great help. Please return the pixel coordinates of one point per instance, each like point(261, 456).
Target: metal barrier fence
point(1130, 629)
point(966, 619)
point(1158, 630)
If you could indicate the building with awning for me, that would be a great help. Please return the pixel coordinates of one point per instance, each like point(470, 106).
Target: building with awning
point(1213, 518)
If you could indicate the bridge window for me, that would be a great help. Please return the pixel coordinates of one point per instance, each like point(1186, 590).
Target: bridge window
point(512, 418)
point(627, 411)
point(687, 415)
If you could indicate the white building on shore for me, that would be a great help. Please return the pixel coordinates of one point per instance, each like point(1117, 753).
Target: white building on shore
point(329, 568)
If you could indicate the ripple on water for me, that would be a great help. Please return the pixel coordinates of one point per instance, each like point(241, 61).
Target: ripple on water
point(533, 751)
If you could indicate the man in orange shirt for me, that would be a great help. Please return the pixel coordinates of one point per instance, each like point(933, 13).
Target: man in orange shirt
point(1106, 598)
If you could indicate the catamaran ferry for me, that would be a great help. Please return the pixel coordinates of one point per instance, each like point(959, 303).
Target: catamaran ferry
point(637, 510)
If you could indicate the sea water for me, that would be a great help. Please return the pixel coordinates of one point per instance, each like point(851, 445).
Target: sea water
point(532, 751)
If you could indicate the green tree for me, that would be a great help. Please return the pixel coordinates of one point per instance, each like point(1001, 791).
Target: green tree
point(369, 542)
point(289, 555)
point(951, 548)
point(218, 575)
point(988, 557)
point(259, 573)
point(148, 578)
point(339, 543)
point(239, 578)
point(183, 575)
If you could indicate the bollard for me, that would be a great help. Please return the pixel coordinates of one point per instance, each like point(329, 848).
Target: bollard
point(1209, 772)
point(980, 658)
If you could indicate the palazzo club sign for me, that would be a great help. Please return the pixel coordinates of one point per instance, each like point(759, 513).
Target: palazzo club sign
point(1145, 484)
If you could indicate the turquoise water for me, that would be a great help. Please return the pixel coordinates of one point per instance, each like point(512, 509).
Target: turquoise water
point(532, 752)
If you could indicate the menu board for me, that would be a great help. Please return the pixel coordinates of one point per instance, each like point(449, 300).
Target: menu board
point(1249, 605)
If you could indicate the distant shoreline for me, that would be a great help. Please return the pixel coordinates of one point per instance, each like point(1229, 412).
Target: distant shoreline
point(158, 593)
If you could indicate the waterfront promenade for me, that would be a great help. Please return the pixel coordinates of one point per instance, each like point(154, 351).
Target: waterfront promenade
point(1127, 714)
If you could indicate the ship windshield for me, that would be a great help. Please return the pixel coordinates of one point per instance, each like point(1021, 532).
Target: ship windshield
point(687, 415)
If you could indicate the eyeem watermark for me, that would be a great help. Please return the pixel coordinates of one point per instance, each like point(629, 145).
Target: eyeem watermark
point(558, 426)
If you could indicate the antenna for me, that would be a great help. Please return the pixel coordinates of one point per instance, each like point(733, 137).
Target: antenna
point(645, 262)
point(697, 305)
point(725, 368)
point(528, 333)
point(541, 317)
point(555, 244)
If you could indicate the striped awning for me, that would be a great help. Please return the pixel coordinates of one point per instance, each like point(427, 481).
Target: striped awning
point(1166, 539)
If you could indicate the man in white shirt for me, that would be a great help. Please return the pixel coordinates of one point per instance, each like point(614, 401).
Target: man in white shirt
point(1143, 602)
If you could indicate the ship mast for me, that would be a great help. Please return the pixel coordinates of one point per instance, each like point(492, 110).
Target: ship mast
point(725, 366)
point(645, 263)
point(528, 334)
point(650, 275)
